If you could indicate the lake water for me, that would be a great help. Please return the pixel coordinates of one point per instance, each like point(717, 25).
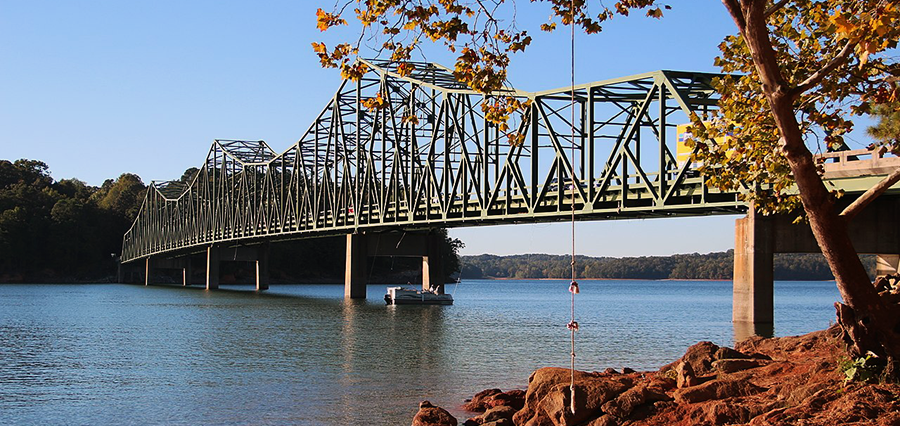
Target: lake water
point(300, 354)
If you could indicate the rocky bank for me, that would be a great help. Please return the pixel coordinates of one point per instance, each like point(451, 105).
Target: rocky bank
point(778, 381)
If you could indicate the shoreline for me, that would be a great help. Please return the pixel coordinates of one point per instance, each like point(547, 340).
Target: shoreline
point(761, 381)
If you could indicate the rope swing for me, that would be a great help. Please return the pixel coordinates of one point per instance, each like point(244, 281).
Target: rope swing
point(573, 286)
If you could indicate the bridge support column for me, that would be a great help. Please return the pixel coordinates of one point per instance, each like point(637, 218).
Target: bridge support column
point(212, 267)
point(754, 248)
point(886, 264)
point(186, 271)
point(355, 271)
point(262, 267)
point(147, 270)
point(432, 265)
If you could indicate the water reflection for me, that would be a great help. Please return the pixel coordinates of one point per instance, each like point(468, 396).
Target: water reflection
point(743, 330)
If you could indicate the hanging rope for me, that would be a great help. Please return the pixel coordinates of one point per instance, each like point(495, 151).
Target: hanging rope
point(573, 286)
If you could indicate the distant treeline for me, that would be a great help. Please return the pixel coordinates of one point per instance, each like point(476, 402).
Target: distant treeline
point(69, 231)
point(711, 266)
point(62, 231)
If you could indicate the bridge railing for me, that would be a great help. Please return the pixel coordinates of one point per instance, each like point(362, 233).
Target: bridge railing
point(858, 162)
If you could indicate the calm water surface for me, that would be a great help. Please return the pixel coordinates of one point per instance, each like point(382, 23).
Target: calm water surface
point(300, 354)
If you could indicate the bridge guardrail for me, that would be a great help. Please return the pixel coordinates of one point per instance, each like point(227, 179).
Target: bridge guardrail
point(858, 162)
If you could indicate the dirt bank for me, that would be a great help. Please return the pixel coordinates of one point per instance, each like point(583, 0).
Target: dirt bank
point(778, 381)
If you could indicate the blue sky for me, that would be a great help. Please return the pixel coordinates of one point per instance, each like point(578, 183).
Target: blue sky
point(99, 88)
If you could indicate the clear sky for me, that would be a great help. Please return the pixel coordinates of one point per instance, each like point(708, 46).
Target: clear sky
point(96, 88)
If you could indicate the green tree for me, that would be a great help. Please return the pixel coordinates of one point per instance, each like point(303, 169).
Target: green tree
point(887, 130)
point(188, 176)
point(122, 196)
point(803, 66)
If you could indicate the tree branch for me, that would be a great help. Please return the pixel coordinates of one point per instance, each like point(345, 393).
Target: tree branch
point(774, 8)
point(854, 208)
point(817, 77)
point(734, 8)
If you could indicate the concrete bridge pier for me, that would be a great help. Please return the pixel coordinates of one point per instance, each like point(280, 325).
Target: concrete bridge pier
point(433, 266)
point(355, 269)
point(148, 269)
point(256, 254)
point(754, 256)
point(262, 267)
point(361, 246)
point(758, 238)
point(152, 263)
point(212, 267)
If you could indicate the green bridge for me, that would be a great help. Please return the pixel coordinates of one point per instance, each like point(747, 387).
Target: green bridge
point(428, 158)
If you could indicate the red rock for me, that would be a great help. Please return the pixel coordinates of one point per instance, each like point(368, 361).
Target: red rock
point(700, 356)
point(684, 376)
point(430, 415)
point(497, 413)
point(716, 389)
point(721, 413)
point(735, 365)
point(547, 400)
point(604, 420)
point(622, 405)
point(662, 383)
point(479, 402)
point(490, 398)
point(514, 398)
point(728, 353)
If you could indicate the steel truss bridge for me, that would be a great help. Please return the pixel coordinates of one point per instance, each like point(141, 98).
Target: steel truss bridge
point(428, 158)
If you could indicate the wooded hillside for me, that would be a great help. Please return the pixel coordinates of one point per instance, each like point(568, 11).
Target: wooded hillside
point(714, 266)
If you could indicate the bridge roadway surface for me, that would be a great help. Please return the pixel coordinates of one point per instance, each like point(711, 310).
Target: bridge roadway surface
point(428, 158)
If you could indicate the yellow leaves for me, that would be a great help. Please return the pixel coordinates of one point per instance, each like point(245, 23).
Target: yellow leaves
point(655, 13)
point(375, 103)
point(872, 27)
point(881, 26)
point(405, 69)
point(843, 24)
point(516, 138)
point(548, 27)
point(498, 111)
point(325, 20)
point(353, 72)
point(519, 45)
point(400, 52)
point(514, 42)
point(411, 119)
point(482, 70)
point(340, 57)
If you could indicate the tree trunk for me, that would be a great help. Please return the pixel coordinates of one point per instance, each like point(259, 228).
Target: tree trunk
point(868, 323)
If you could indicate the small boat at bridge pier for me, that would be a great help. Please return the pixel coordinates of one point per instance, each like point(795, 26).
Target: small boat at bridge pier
point(410, 296)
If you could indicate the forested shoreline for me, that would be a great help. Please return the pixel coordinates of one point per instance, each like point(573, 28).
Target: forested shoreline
point(710, 266)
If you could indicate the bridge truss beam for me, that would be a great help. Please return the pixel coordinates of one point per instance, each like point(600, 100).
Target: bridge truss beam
point(429, 158)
